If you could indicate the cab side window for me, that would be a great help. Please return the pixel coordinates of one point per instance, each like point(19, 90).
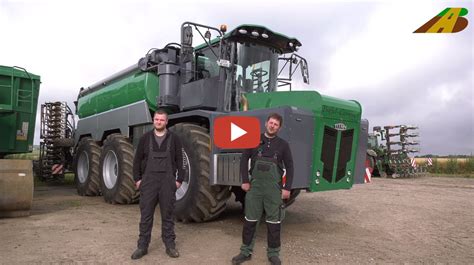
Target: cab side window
point(206, 64)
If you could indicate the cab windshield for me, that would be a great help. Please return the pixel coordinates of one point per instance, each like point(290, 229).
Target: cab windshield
point(256, 68)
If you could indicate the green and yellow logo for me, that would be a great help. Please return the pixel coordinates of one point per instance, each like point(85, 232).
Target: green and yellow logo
point(450, 20)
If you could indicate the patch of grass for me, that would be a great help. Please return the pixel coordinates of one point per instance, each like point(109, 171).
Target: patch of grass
point(25, 156)
point(38, 183)
point(451, 166)
point(467, 175)
point(69, 179)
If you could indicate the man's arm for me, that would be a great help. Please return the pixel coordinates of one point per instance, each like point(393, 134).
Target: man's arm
point(178, 156)
point(137, 160)
point(244, 165)
point(288, 160)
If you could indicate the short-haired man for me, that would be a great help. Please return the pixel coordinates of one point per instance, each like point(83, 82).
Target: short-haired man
point(265, 192)
point(157, 159)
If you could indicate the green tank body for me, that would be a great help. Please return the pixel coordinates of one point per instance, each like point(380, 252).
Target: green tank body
point(18, 102)
point(127, 89)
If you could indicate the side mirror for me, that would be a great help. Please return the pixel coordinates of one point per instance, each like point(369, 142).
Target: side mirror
point(187, 36)
point(143, 63)
point(293, 62)
point(304, 71)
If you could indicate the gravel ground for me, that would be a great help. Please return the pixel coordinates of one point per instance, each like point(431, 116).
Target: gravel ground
point(420, 220)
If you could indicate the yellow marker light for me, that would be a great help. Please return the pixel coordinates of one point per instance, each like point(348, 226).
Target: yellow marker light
point(223, 28)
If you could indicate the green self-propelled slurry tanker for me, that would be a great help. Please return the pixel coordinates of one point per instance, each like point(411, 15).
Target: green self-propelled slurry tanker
point(233, 73)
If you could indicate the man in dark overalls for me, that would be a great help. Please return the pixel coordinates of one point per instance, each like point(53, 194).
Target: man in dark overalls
point(265, 190)
point(157, 159)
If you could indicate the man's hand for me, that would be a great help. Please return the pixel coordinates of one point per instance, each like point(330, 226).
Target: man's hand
point(137, 184)
point(245, 186)
point(178, 184)
point(285, 194)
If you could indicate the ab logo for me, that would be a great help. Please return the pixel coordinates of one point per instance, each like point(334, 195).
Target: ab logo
point(450, 20)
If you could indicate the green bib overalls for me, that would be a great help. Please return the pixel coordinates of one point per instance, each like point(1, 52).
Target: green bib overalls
point(264, 196)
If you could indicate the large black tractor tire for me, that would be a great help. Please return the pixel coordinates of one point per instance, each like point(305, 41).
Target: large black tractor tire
point(116, 171)
point(196, 200)
point(86, 167)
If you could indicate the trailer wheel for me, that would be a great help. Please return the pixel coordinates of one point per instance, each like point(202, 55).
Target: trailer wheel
point(196, 200)
point(86, 167)
point(116, 171)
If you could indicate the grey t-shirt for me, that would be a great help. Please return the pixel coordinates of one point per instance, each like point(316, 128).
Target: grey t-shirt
point(159, 139)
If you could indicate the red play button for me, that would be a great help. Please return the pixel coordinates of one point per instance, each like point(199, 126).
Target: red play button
point(236, 132)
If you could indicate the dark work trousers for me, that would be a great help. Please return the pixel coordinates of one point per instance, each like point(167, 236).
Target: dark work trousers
point(158, 186)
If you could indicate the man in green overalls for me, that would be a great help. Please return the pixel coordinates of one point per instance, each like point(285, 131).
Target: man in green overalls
point(265, 190)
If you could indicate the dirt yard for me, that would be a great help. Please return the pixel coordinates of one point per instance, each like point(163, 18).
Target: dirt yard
point(422, 220)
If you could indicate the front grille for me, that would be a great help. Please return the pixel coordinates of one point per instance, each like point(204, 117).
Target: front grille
point(328, 151)
point(344, 153)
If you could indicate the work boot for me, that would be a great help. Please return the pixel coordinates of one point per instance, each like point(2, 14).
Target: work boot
point(139, 253)
point(274, 260)
point(172, 252)
point(241, 258)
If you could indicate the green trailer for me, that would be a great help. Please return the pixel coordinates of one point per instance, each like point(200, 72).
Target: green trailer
point(19, 92)
point(247, 71)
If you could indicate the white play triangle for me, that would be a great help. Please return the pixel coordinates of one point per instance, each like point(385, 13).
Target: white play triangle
point(236, 132)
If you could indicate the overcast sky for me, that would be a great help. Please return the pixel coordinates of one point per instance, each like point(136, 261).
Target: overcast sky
point(356, 50)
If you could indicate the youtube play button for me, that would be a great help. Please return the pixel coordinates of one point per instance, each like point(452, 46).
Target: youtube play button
point(236, 132)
